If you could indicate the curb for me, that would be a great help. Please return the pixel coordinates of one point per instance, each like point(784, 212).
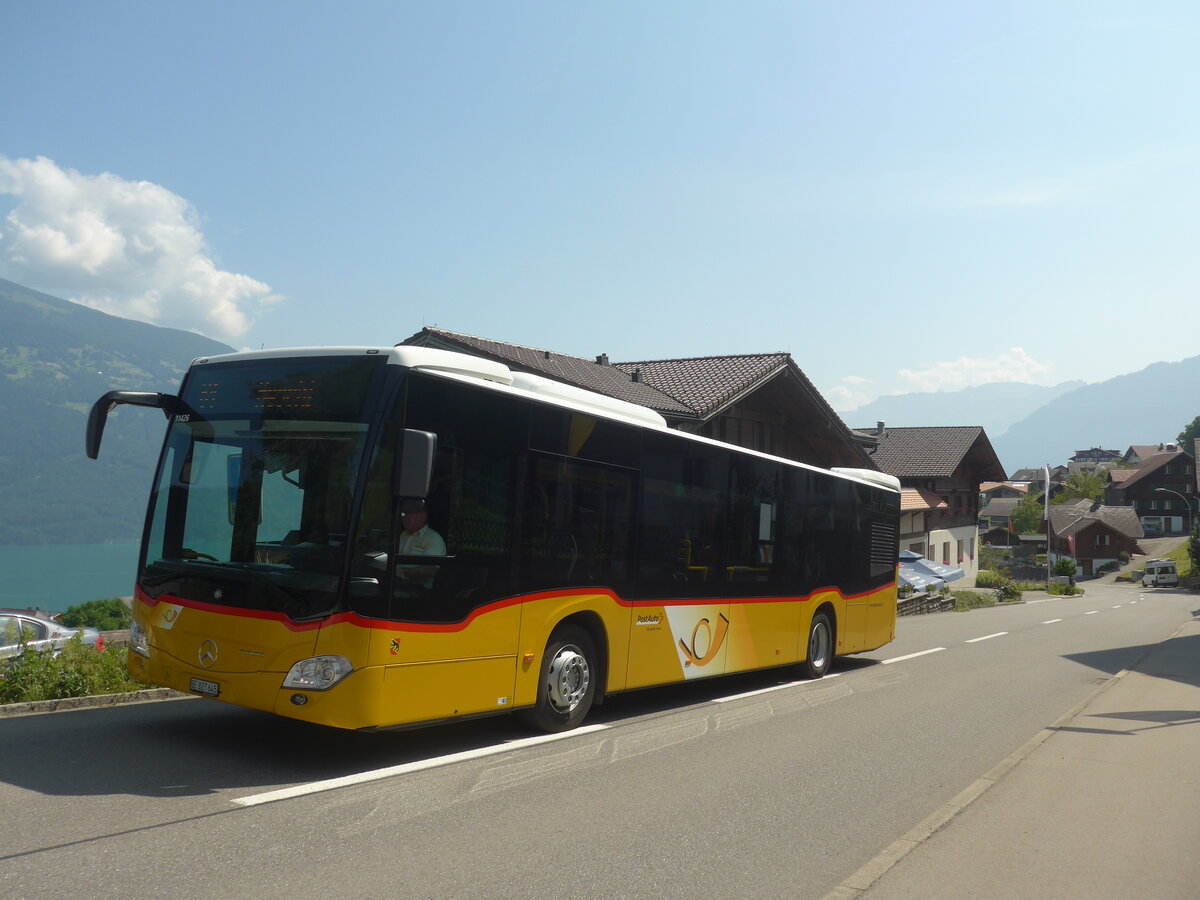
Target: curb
point(94, 701)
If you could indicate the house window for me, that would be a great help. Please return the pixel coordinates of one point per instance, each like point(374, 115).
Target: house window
point(960, 553)
point(945, 553)
point(1102, 540)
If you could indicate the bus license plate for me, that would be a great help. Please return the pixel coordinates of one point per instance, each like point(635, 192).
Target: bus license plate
point(207, 688)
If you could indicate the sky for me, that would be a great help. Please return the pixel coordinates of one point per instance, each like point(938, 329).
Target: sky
point(904, 196)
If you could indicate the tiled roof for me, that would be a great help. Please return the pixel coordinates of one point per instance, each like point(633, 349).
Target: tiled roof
point(1000, 506)
point(692, 390)
point(575, 370)
point(705, 384)
point(1119, 476)
point(992, 485)
point(1123, 518)
point(932, 452)
point(1145, 451)
point(1152, 464)
point(1074, 516)
point(916, 499)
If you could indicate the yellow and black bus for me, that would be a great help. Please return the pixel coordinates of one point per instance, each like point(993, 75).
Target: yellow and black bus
point(582, 547)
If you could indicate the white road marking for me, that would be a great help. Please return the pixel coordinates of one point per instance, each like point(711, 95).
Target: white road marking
point(1092, 613)
point(315, 787)
point(1051, 621)
point(986, 637)
point(774, 687)
point(897, 659)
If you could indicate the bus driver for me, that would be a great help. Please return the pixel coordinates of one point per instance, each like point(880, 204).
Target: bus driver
point(418, 539)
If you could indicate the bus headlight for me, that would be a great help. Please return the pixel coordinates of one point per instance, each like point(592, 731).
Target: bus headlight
point(139, 642)
point(318, 673)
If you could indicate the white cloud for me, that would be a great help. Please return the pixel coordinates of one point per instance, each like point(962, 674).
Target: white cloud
point(130, 248)
point(1015, 365)
point(851, 393)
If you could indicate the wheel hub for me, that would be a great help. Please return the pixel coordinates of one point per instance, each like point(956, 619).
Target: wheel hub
point(569, 679)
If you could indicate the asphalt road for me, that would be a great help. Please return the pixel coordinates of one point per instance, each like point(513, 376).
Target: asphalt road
point(746, 786)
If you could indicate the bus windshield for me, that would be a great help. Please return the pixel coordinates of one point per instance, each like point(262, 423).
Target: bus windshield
point(253, 499)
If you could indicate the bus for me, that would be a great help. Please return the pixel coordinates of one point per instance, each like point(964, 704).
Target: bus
point(586, 548)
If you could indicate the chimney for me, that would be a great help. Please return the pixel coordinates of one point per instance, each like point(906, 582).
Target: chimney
point(880, 431)
point(602, 359)
point(637, 376)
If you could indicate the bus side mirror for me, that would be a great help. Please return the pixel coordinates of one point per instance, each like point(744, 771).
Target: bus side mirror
point(97, 418)
point(414, 466)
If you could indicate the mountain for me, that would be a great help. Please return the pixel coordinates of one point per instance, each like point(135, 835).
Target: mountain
point(1144, 407)
point(993, 406)
point(1030, 426)
point(56, 359)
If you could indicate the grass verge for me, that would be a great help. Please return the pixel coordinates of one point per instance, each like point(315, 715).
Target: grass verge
point(78, 671)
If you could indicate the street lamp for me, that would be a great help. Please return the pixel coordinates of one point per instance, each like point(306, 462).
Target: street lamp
point(1186, 504)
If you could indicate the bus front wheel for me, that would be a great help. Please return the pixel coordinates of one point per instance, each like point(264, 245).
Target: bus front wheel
point(820, 646)
point(566, 683)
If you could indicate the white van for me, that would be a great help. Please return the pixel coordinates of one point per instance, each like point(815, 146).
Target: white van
point(1159, 572)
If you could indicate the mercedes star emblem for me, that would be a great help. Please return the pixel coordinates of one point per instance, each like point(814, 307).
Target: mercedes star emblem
point(208, 653)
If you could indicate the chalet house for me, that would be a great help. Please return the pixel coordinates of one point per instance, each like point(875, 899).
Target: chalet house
point(949, 463)
point(761, 401)
point(1095, 456)
point(1001, 490)
point(1036, 478)
point(1092, 535)
point(1162, 491)
point(1139, 453)
point(917, 509)
point(998, 512)
point(997, 500)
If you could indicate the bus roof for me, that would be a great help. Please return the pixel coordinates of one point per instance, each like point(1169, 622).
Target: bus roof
point(497, 376)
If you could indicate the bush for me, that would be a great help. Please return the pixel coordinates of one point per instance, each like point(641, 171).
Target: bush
point(78, 671)
point(1066, 590)
point(1065, 567)
point(107, 615)
point(1007, 591)
point(966, 600)
point(990, 578)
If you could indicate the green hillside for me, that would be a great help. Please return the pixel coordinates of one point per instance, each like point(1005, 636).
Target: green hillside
point(56, 359)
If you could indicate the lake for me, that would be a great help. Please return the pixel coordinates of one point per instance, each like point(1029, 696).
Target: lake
point(53, 578)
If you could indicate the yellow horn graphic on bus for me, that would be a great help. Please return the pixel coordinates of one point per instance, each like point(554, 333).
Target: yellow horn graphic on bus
point(714, 642)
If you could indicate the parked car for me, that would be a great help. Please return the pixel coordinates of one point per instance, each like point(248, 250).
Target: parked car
point(20, 629)
point(1160, 572)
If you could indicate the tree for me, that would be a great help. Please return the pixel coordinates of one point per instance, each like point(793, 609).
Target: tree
point(1028, 514)
point(107, 615)
point(1189, 434)
point(1081, 486)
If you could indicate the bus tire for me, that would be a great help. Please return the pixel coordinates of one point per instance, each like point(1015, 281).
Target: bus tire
point(566, 681)
point(820, 646)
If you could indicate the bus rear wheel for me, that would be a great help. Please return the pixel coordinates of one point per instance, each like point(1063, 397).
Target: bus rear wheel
point(820, 646)
point(566, 683)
